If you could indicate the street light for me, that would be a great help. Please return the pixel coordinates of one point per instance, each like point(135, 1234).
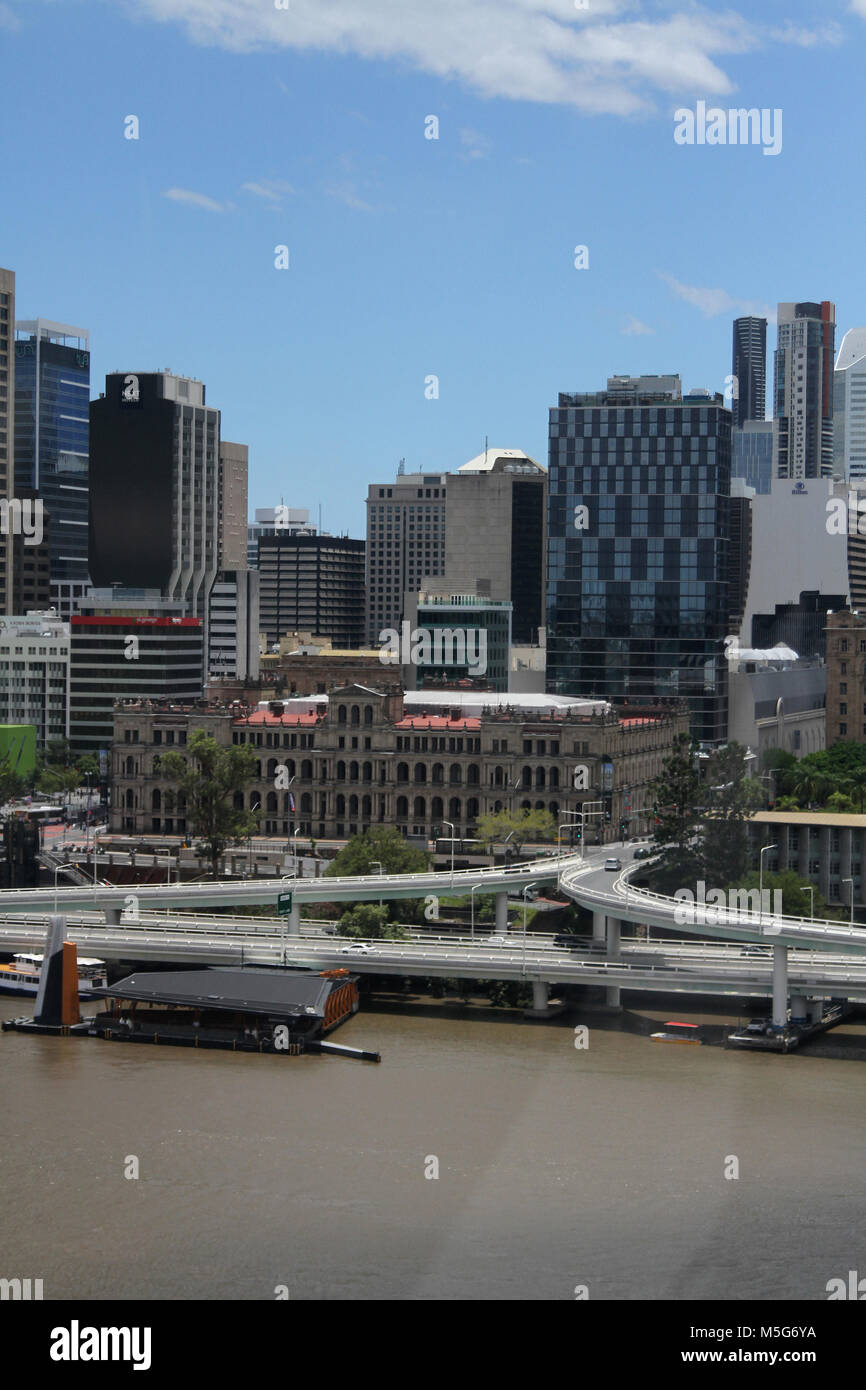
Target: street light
point(377, 864)
point(289, 795)
point(56, 872)
point(256, 807)
point(761, 883)
point(851, 881)
point(449, 823)
point(526, 890)
point(811, 892)
point(472, 892)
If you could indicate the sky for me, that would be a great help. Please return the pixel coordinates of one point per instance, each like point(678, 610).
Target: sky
point(431, 296)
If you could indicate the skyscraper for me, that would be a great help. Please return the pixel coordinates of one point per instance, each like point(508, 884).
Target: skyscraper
point(803, 391)
point(405, 543)
point(312, 584)
point(638, 536)
point(849, 407)
point(52, 399)
point(749, 367)
point(7, 431)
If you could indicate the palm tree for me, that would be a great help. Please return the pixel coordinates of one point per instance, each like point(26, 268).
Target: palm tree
point(857, 784)
point(810, 786)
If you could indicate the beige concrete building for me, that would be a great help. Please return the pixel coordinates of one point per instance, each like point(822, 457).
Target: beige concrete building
point(234, 466)
point(360, 758)
point(846, 676)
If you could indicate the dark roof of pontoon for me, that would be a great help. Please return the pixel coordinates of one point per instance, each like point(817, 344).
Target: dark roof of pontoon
point(251, 991)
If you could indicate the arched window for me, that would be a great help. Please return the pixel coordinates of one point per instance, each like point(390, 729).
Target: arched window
point(402, 772)
point(472, 808)
point(353, 772)
point(353, 805)
point(455, 775)
point(454, 809)
point(366, 807)
point(367, 772)
point(420, 772)
point(341, 714)
point(306, 803)
point(156, 800)
point(272, 769)
point(130, 767)
point(420, 808)
point(526, 805)
point(368, 715)
point(356, 715)
point(306, 770)
point(525, 780)
point(539, 777)
point(271, 802)
point(473, 775)
point(437, 809)
point(341, 771)
point(539, 805)
point(553, 779)
point(130, 799)
point(499, 777)
point(255, 800)
point(402, 808)
point(438, 776)
point(341, 804)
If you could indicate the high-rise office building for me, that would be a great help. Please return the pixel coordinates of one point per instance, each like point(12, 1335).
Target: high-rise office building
point(749, 366)
point(31, 556)
point(52, 400)
point(638, 537)
point(405, 544)
point(752, 453)
point(803, 391)
point(275, 521)
point(167, 497)
point(34, 674)
point(233, 652)
point(849, 406)
point(478, 530)
point(312, 584)
point(7, 432)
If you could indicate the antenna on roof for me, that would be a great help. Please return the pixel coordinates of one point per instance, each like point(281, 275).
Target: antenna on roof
point(401, 468)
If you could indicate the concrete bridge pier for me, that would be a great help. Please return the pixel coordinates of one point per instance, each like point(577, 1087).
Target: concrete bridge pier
point(541, 1004)
point(294, 922)
point(780, 985)
point(599, 926)
point(799, 1006)
point(501, 912)
point(113, 916)
point(614, 931)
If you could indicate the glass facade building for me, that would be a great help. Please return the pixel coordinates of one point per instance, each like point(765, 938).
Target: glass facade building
point(638, 539)
point(52, 400)
point(752, 454)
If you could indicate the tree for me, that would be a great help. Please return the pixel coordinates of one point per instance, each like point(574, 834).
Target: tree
point(379, 845)
point(369, 922)
point(12, 784)
point(517, 827)
point(796, 898)
point(386, 846)
point(731, 798)
point(676, 797)
point(210, 777)
point(87, 766)
point(810, 785)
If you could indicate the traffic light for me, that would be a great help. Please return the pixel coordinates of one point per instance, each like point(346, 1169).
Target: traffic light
point(579, 834)
point(623, 825)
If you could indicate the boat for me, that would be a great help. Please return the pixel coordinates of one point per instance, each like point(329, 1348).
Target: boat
point(21, 976)
point(675, 1032)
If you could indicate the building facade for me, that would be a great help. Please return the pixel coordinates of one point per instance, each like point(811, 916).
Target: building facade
point(272, 521)
point(752, 454)
point(749, 367)
point(360, 760)
point(405, 544)
point(312, 584)
point(122, 655)
point(34, 674)
point(849, 407)
point(52, 434)
point(638, 547)
point(233, 627)
point(7, 430)
point(846, 676)
point(803, 391)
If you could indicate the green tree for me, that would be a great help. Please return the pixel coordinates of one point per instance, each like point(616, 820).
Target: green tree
point(380, 844)
point(210, 776)
point(796, 899)
point(12, 784)
point(730, 797)
point(809, 785)
point(839, 802)
point(87, 766)
point(676, 796)
point(370, 923)
point(518, 827)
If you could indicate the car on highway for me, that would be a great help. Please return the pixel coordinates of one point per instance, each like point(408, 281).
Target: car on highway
point(756, 951)
point(358, 946)
point(644, 853)
point(569, 941)
point(496, 941)
point(611, 865)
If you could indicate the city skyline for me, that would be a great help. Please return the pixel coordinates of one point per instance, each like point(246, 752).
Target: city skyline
point(326, 154)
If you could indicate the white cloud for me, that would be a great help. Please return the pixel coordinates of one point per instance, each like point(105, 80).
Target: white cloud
point(346, 191)
point(272, 190)
point(713, 302)
point(197, 200)
point(475, 145)
point(8, 18)
point(859, 7)
point(636, 327)
point(612, 57)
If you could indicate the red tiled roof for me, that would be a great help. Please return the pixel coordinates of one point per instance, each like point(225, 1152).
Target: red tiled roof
point(630, 723)
point(264, 717)
point(436, 721)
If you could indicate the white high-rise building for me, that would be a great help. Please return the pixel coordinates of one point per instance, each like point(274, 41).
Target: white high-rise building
point(849, 406)
point(34, 674)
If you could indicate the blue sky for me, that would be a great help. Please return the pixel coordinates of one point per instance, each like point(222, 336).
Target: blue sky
point(412, 257)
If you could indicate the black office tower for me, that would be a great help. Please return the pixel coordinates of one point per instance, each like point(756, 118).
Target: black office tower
point(749, 367)
point(638, 528)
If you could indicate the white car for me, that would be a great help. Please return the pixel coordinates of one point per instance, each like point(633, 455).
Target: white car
point(497, 941)
point(361, 946)
point(612, 865)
